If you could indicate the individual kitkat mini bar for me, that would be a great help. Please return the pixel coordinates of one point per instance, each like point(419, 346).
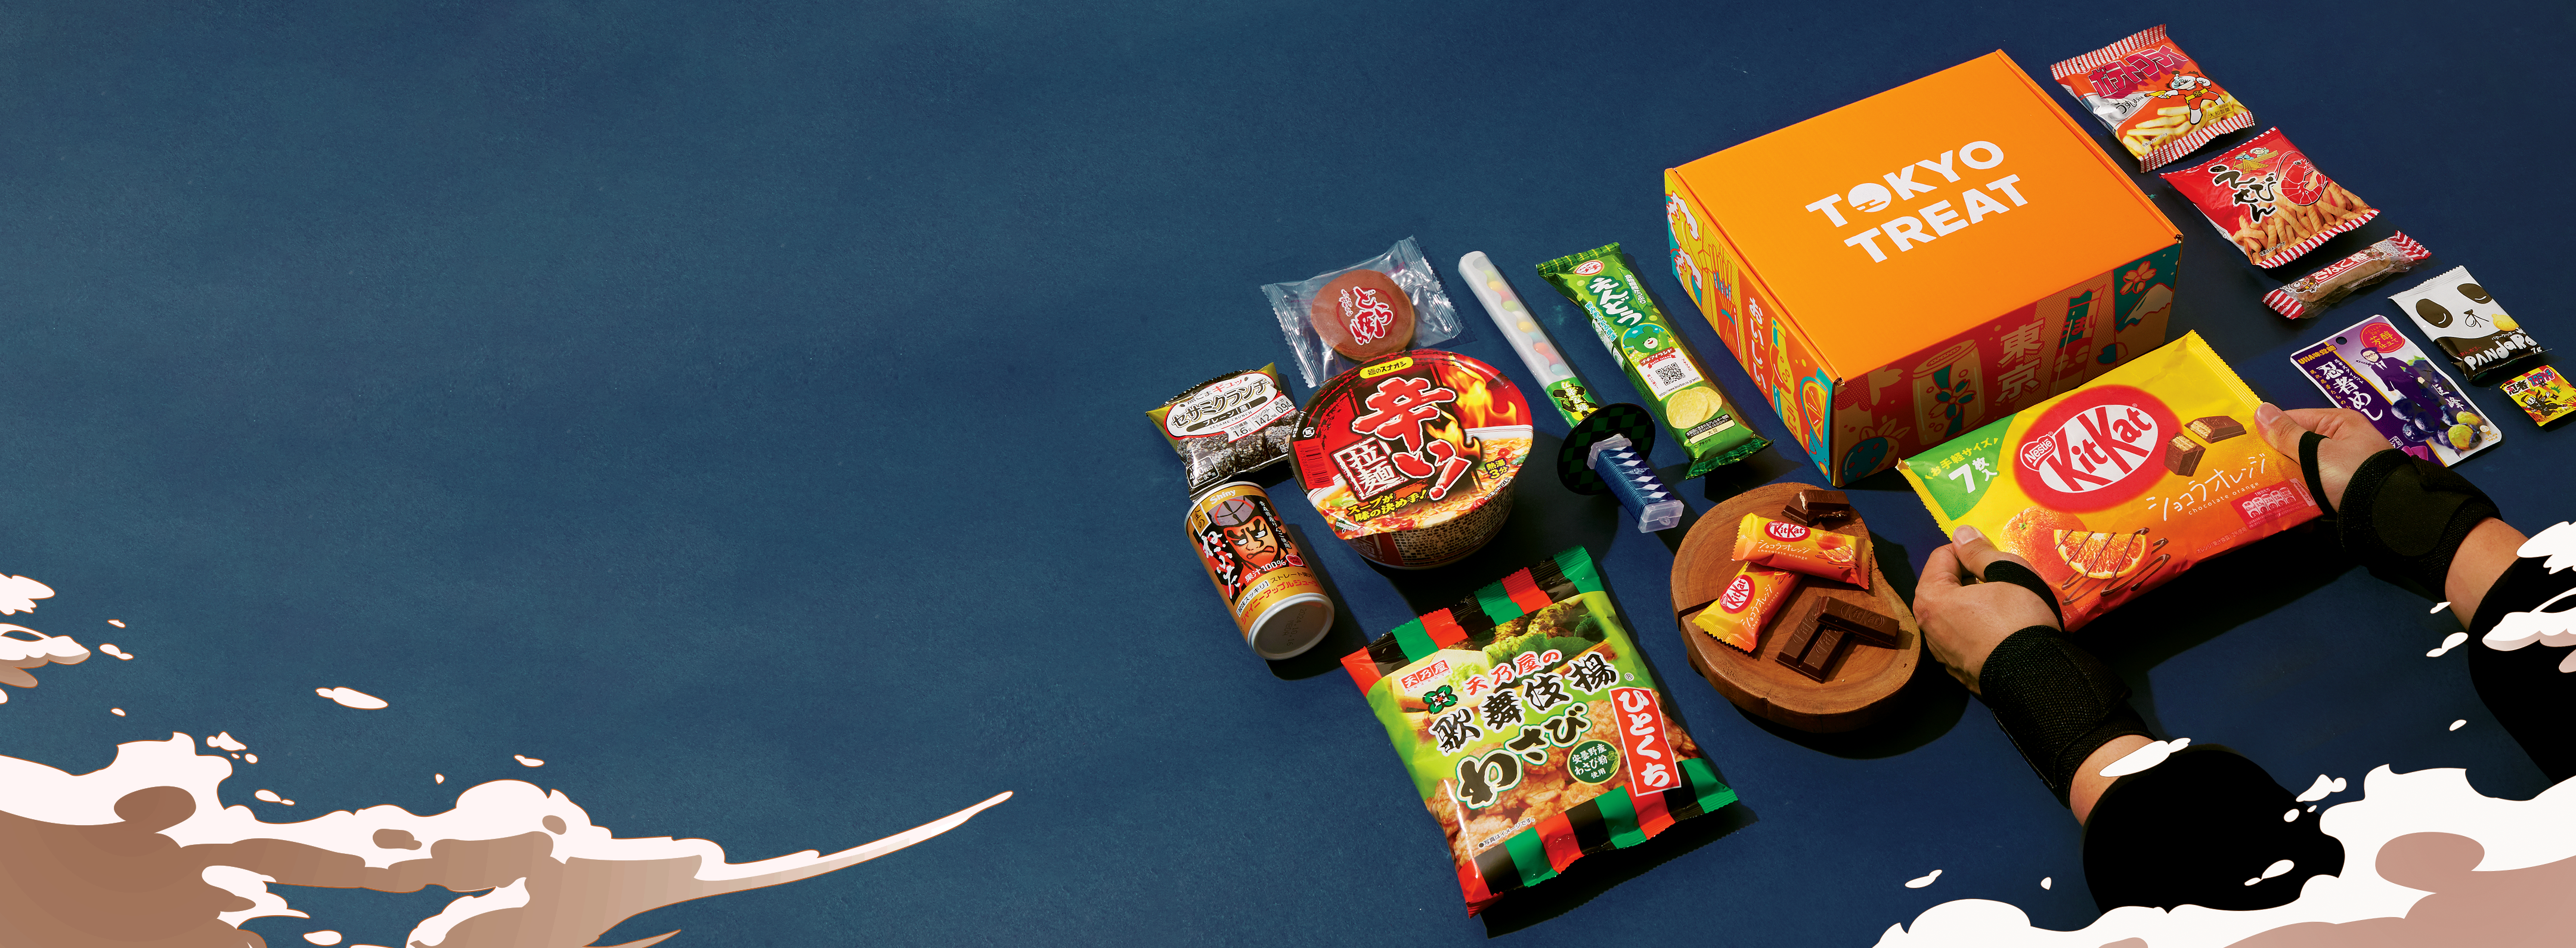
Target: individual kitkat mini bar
point(2157, 100)
point(1751, 600)
point(1667, 378)
point(1780, 544)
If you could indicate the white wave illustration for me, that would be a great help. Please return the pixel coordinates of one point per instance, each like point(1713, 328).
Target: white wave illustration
point(188, 870)
point(2460, 853)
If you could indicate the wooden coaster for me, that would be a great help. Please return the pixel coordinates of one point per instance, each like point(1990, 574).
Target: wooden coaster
point(1862, 682)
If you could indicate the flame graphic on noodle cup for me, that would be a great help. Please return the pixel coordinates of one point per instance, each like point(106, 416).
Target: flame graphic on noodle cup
point(2096, 449)
point(1410, 457)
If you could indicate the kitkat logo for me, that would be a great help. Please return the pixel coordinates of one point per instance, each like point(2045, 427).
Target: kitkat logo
point(1783, 530)
point(2096, 449)
point(1588, 268)
point(1739, 594)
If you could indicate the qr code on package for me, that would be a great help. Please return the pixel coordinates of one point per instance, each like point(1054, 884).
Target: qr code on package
point(1667, 372)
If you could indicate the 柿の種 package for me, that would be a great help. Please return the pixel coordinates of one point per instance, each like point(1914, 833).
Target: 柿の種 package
point(2117, 487)
point(1533, 728)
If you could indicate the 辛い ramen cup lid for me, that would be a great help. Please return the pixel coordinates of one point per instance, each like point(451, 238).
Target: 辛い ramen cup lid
point(1410, 456)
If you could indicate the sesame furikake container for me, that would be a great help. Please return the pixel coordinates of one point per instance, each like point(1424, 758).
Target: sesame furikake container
point(1410, 456)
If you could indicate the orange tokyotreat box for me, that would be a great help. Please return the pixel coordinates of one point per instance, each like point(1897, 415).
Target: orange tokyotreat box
point(1904, 269)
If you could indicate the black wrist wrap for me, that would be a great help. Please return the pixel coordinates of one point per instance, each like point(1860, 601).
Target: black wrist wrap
point(2056, 702)
point(2404, 517)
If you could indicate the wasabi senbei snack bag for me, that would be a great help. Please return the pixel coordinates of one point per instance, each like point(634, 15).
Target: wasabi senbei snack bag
point(1533, 728)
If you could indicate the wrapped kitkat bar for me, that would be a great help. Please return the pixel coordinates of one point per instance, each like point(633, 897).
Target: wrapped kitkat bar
point(1780, 544)
point(1751, 600)
point(1533, 728)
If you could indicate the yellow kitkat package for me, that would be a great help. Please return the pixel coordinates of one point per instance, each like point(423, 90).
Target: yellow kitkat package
point(2113, 488)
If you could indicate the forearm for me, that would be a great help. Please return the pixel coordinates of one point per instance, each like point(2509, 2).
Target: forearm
point(2484, 555)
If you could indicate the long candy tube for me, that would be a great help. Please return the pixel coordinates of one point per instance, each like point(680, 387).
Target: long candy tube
point(1573, 400)
point(1629, 477)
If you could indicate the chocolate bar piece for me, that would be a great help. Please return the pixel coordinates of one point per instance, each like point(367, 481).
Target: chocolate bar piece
point(1802, 628)
point(2215, 428)
point(1826, 642)
point(1817, 507)
point(1860, 623)
point(2182, 455)
point(1822, 629)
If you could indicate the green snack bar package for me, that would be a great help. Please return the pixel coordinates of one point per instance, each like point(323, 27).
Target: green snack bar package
point(1658, 363)
point(1533, 728)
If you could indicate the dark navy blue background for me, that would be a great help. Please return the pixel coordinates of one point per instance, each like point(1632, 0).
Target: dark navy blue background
point(742, 410)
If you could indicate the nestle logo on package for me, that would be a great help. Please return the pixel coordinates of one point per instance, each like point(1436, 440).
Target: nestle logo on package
point(1415, 678)
point(2276, 501)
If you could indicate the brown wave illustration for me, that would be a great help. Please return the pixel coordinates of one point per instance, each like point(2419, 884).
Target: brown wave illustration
point(139, 853)
point(2468, 907)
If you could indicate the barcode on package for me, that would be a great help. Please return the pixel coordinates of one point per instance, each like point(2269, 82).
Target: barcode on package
point(1667, 372)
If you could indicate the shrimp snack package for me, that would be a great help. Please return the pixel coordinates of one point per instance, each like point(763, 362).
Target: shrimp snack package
point(1533, 728)
point(2116, 487)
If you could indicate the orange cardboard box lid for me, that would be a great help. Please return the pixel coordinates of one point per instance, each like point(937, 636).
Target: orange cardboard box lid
point(2067, 214)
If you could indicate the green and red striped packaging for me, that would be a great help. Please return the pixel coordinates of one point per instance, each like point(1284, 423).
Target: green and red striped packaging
point(1533, 728)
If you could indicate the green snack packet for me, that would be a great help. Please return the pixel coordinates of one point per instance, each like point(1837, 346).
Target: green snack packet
point(1533, 729)
point(1658, 363)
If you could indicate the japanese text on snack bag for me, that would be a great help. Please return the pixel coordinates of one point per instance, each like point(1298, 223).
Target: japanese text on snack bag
point(1903, 231)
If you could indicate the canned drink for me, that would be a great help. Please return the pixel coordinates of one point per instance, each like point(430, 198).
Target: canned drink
point(1277, 602)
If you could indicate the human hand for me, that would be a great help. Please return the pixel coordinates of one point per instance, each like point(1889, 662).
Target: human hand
point(1964, 619)
point(2350, 440)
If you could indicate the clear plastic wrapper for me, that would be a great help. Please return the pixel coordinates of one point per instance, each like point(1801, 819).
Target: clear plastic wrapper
point(1340, 318)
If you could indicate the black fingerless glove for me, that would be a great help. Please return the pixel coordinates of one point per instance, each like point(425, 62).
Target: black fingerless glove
point(2056, 702)
point(2402, 516)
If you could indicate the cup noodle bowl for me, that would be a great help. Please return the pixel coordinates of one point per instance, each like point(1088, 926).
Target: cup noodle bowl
point(1410, 458)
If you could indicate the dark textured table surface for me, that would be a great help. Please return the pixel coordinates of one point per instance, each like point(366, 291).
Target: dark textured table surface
point(742, 411)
